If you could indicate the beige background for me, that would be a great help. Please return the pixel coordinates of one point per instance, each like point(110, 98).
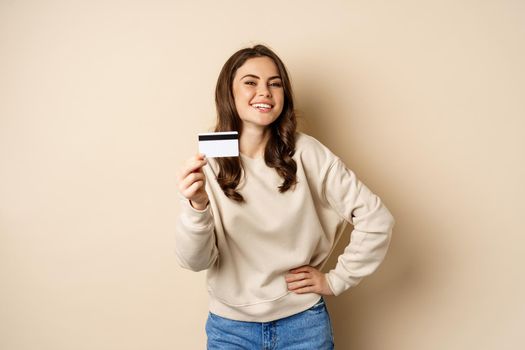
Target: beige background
point(100, 103)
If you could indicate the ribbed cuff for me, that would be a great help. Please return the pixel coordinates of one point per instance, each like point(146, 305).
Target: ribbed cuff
point(337, 284)
point(195, 218)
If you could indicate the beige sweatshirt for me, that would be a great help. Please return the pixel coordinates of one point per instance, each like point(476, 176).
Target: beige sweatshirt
point(248, 248)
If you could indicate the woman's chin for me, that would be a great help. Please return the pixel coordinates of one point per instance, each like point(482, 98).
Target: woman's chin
point(260, 121)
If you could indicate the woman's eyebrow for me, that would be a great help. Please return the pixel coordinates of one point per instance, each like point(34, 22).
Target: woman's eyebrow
point(256, 77)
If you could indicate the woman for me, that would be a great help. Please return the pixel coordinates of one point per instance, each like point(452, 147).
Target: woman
point(263, 224)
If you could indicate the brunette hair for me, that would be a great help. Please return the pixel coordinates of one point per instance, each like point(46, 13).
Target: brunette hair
point(281, 144)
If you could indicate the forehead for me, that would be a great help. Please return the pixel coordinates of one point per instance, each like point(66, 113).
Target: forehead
point(259, 66)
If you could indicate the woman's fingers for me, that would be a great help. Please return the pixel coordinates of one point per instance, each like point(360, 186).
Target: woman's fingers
point(190, 179)
point(296, 277)
point(307, 279)
point(300, 284)
point(299, 279)
point(193, 165)
point(190, 191)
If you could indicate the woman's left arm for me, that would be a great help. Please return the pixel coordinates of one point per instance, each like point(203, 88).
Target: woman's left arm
point(369, 241)
point(372, 221)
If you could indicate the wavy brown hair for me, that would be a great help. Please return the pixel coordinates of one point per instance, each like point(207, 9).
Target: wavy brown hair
point(281, 144)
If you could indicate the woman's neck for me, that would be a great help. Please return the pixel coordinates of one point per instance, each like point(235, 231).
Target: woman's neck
point(253, 141)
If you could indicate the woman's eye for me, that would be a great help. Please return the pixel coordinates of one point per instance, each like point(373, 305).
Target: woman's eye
point(276, 84)
point(249, 82)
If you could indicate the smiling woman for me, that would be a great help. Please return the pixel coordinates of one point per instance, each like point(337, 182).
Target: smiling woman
point(265, 225)
point(249, 77)
point(258, 93)
point(261, 90)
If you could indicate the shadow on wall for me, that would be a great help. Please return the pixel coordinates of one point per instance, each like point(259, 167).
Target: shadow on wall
point(403, 276)
point(355, 313)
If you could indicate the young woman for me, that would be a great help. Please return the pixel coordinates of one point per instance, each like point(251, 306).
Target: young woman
point(264, 224)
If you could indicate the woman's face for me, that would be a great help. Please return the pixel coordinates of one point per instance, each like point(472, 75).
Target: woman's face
point(258, 92)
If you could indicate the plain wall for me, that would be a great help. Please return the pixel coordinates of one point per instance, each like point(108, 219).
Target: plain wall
point(100, 104)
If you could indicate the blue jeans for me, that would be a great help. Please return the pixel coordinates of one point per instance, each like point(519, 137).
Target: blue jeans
point(307, 330)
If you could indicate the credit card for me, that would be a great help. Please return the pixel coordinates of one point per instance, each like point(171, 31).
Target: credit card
point(219, 144)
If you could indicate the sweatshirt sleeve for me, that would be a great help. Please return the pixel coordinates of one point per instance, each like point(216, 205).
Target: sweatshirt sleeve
point(195, 244)
point(372, 223)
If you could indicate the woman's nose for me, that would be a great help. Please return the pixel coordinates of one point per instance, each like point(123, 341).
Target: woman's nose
point(264, 91)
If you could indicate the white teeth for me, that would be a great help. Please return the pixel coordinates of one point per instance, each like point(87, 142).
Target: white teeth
point(261, 105)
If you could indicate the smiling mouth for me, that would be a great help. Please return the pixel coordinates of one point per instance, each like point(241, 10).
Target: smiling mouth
point(262, 107)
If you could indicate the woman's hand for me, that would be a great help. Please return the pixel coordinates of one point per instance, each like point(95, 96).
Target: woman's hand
point(191, 182)
point(307, 279)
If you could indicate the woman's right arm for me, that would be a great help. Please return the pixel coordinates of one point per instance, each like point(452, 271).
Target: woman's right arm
point(195, 245)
